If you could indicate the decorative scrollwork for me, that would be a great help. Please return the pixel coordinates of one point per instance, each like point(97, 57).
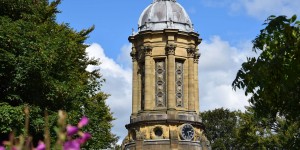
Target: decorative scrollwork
point(198, 135)
point(147, 49)
point(160, 83)
point(170, 49)
point(190, 51)
point(140, 135)
point(196, 57)
point(134, 56)
point(179, 83)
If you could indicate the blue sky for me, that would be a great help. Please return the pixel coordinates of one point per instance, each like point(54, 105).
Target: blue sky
point(115, 19)
point(226, 26)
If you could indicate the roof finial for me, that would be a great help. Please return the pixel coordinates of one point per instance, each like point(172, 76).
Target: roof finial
point(163, 0)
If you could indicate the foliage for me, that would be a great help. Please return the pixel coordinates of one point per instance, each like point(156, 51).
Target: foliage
point(242, 130)
point(254, 133)
point(12, 116)
point(273, 79)
point(220, 127)
point(43, 65)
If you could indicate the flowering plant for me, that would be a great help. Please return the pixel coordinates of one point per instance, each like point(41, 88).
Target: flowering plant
point(69, 137)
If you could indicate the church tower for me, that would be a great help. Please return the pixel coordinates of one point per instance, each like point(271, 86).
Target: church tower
point(165, 89)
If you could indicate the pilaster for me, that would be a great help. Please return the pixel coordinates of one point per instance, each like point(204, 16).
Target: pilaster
point(170, 49)
point(196, 60)
point(191, 53)
point(134, 82)
point(147, 49)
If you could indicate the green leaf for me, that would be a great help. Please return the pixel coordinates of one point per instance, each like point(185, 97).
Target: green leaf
point(293, 18)
point(43, 65)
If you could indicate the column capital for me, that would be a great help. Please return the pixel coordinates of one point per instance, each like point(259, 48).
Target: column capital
point(133, 54)
point(170, 49)
point(147, 49)
point(196, 57)
point(191, 51)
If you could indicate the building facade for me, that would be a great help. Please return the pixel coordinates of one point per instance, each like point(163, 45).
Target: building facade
point(165, 90)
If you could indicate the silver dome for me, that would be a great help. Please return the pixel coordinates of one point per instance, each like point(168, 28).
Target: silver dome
point(165, 14)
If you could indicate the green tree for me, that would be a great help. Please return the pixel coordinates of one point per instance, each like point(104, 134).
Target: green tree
point(273, 82)
point(43, 65)
point(257, 133)
point(238, 130)
point(273, 79)
point(220, 125)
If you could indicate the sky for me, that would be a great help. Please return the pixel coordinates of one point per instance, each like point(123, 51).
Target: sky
point(227, 28)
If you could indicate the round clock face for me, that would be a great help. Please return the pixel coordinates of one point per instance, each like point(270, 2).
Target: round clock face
point(187, 132)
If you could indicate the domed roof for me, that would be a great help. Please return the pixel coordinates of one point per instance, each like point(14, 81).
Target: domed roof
point(165, 14)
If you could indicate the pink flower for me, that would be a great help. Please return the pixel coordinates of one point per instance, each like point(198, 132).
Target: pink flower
point(72, 145)
point(83, 122)
point(2, 148)
point(71, 130)
point(41, 146)
point(85, 137)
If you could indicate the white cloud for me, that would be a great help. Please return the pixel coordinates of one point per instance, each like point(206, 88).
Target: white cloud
point(264, 8)
point(124, 58)
point(260, 9)
point(218, 65)
point(118, 84)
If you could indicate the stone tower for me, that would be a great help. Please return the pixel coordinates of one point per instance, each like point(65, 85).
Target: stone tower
point(165, 90)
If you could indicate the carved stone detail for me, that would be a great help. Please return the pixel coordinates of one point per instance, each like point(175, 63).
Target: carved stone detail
point(179, 83)
point(170, 49)
point(198, 135)
point(133, 55)
point(147, 50)
point(140, 135)
point(190, 51)
point(196, 57)
point(160, 73)
point(140, 56)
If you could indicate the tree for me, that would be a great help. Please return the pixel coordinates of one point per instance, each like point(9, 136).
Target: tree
point(43, 65)
point(227, 129)
point(257, 133)
point(273, 79)
point(220, 125)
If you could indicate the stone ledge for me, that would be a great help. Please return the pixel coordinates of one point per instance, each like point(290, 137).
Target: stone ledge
point(169, 115)
point(167, 121)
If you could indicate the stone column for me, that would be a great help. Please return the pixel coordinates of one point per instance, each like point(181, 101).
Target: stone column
point(170, 49)
point(134, 82)
point(196, 60)
point(148, 95)
point(191, 53)
point(139, 104)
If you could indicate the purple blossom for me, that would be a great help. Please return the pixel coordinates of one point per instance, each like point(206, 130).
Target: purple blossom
point(2, 148)
point(71, 130)
point(83, 122)
point(86, 136)
point(72, 145)
point(41, 146)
